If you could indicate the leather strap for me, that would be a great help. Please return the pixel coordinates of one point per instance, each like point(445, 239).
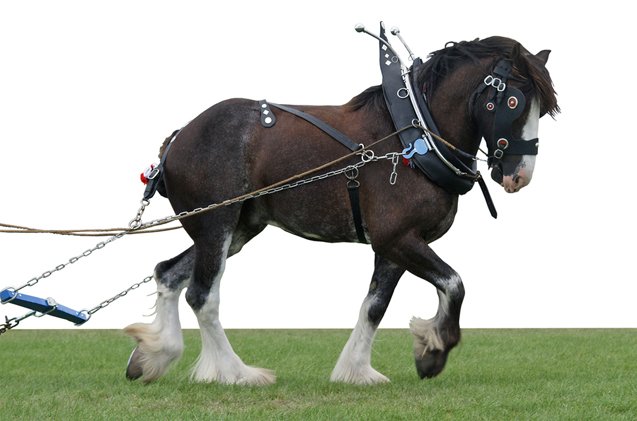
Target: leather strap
point(487, 197)
point(153, 182)
point(354, 198)
point(267, 116)
point(352, 185)
point(523, 147)
point(329, 130)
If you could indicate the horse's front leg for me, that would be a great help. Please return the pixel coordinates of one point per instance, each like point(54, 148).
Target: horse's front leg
point(354, 364)
point(433, 338)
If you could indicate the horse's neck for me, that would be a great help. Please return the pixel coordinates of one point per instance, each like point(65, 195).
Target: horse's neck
point(451, 110)
point(455, 123)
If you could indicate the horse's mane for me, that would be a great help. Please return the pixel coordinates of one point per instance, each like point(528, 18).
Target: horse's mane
point(445, 61)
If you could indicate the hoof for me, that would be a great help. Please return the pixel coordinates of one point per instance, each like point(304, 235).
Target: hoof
point(431, 363)
point(153, 355)
point(134, 367)
point(430, 348)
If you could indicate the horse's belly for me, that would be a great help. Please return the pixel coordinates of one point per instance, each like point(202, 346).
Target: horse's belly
point(320, 213)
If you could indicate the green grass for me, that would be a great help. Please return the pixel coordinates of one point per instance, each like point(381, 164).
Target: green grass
point(492, 375)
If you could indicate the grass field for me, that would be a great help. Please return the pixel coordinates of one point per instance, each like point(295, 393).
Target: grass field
point(493, 375)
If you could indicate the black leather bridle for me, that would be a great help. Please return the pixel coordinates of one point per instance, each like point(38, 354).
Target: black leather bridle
point(507, 103)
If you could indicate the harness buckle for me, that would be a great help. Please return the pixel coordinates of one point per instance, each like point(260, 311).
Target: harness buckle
point(498, 154)
point(150, 173)
point(496, 82)
point(153, 173)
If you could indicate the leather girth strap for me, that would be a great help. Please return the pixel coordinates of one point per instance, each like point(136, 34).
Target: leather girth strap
point(352, 185)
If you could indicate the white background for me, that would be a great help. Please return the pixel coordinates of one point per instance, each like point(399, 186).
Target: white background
point(89, 90)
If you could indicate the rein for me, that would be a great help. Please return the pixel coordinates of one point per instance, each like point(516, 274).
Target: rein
point(98, 232)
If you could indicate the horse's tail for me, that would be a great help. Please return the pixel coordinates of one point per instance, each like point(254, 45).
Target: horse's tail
point(161, 187)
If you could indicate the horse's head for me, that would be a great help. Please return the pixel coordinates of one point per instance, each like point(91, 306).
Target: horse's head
point(502, 90)
point(507, 107)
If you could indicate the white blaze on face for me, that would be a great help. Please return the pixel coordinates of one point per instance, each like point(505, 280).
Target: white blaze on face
point(524, 172)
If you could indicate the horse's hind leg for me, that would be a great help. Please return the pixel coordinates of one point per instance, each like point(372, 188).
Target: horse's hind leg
point(354, 363)
point(217, 361)
point(160, 343)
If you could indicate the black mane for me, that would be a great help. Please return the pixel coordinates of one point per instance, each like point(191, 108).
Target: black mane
point(446, 60)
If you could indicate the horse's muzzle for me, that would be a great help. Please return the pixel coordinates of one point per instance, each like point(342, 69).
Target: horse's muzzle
point(512, 181)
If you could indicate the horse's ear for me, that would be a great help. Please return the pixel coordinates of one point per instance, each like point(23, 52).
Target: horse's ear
point(543, 55)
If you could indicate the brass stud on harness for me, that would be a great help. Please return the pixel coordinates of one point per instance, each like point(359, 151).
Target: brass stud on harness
point(512, 102)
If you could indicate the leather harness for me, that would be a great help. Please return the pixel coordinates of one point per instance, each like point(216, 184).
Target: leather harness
point(456, 174)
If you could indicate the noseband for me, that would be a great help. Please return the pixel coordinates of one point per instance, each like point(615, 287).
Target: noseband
point(507, 104)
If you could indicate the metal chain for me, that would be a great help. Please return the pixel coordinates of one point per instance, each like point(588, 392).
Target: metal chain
point(133, 224)
point(365, 153)
point(109, 301)
point(364, 159)
point(13, 322)
point(72, 260)
point(253, 195)
point(8, 324)
point(137, 220)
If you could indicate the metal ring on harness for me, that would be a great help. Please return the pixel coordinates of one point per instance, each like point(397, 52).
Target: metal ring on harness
point(86, 314)
point(51, 303)
point(13, 294)
point(351, 173)
point(367, 156)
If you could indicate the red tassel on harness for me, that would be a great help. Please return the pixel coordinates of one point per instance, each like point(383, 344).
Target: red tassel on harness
point(144, 176)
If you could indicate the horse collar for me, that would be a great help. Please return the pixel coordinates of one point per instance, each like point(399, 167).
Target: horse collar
point(436, 161)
